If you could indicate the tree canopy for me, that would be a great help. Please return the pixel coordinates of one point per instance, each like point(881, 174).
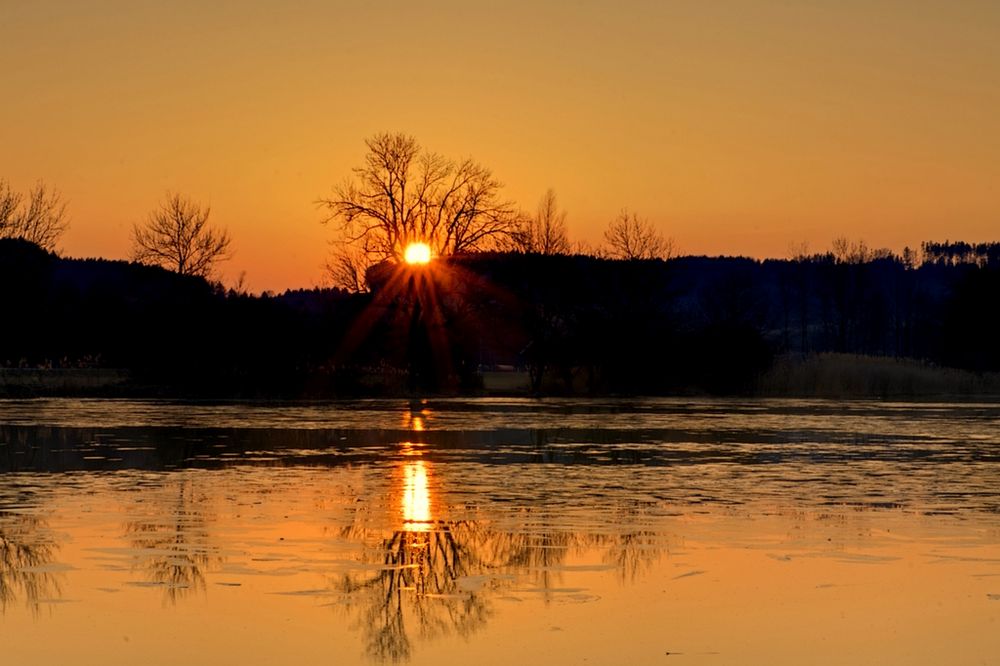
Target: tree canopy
point(39, 218)
point(630, 237)
point(404, 193)
point(177, 236)
point(545, 232)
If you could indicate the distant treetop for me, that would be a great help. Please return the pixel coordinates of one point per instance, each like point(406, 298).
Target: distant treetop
point(177, 236)
point(39, 217)
point(406, 194)
point(630, 237)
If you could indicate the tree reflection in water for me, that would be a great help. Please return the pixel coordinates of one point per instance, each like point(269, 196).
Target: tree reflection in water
point(26, 548)
point(634, 551)
point(171, 547)
point(420, 577)
point(440, 575)
point(420, 567)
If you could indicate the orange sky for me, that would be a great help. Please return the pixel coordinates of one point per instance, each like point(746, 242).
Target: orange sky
point(737, 127)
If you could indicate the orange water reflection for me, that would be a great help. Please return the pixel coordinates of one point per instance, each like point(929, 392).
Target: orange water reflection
point(27, 550)
point(415, 418)
point(485, 546)
point(416, 497)
point(883, 586)
point(442, 569)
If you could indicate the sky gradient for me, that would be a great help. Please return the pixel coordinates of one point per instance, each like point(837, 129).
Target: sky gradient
point(736, 127)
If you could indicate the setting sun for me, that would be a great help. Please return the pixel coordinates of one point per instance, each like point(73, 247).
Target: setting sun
point(417, 253)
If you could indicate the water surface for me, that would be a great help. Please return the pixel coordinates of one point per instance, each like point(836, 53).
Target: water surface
point(453, 531)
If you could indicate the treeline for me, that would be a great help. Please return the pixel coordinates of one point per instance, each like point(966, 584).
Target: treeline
point(581, 323)
point(175, 333)
point(959, 253)
point(575, 323)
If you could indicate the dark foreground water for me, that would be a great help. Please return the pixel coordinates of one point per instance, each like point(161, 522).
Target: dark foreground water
point(499, 531)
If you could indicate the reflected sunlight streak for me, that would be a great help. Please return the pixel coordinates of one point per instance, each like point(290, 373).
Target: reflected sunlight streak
point(416, 497)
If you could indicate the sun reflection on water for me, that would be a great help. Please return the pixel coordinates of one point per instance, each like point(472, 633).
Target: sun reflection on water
point(416, 420)
point(416, 497)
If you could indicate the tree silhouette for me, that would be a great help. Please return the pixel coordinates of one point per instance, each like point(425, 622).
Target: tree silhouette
point(347, 267)
point(40, 218)
point(629, 237)
point(405, 194)
point(177, 237)
point(545, 233)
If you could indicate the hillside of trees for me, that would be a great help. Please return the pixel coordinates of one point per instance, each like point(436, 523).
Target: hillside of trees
point(577, 324)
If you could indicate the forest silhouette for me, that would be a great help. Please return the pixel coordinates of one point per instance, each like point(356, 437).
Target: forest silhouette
point(572, 323)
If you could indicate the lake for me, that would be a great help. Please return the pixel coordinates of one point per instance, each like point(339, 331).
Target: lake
point(486, 531)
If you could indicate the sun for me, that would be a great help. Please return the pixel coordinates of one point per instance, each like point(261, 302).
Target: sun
point(417, 253)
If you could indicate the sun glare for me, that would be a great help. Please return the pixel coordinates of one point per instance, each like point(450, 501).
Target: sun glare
point(417, 253)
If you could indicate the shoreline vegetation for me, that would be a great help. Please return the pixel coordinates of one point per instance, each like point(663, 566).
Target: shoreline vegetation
point(848, 376)
point(861, 325)
point(824, 376)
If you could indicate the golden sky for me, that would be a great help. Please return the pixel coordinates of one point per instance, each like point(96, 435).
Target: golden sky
point(736, 127)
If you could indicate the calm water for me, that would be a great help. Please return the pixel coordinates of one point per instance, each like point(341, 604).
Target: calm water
point(488, 531)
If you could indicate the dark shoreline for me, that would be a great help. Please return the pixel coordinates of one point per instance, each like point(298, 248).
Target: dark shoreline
point(821, 376)
point(508, 324)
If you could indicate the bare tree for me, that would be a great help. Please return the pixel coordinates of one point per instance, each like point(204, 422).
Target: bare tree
point(10, 205)
point(545, 233)
point(845, 251)
point(629, 237)
point(405, 194)
point(347, 267)
point(799, 252)
point(41, 218)
point(177, 236)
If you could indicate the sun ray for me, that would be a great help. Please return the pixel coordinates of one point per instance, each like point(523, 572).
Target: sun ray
point(412, 299)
